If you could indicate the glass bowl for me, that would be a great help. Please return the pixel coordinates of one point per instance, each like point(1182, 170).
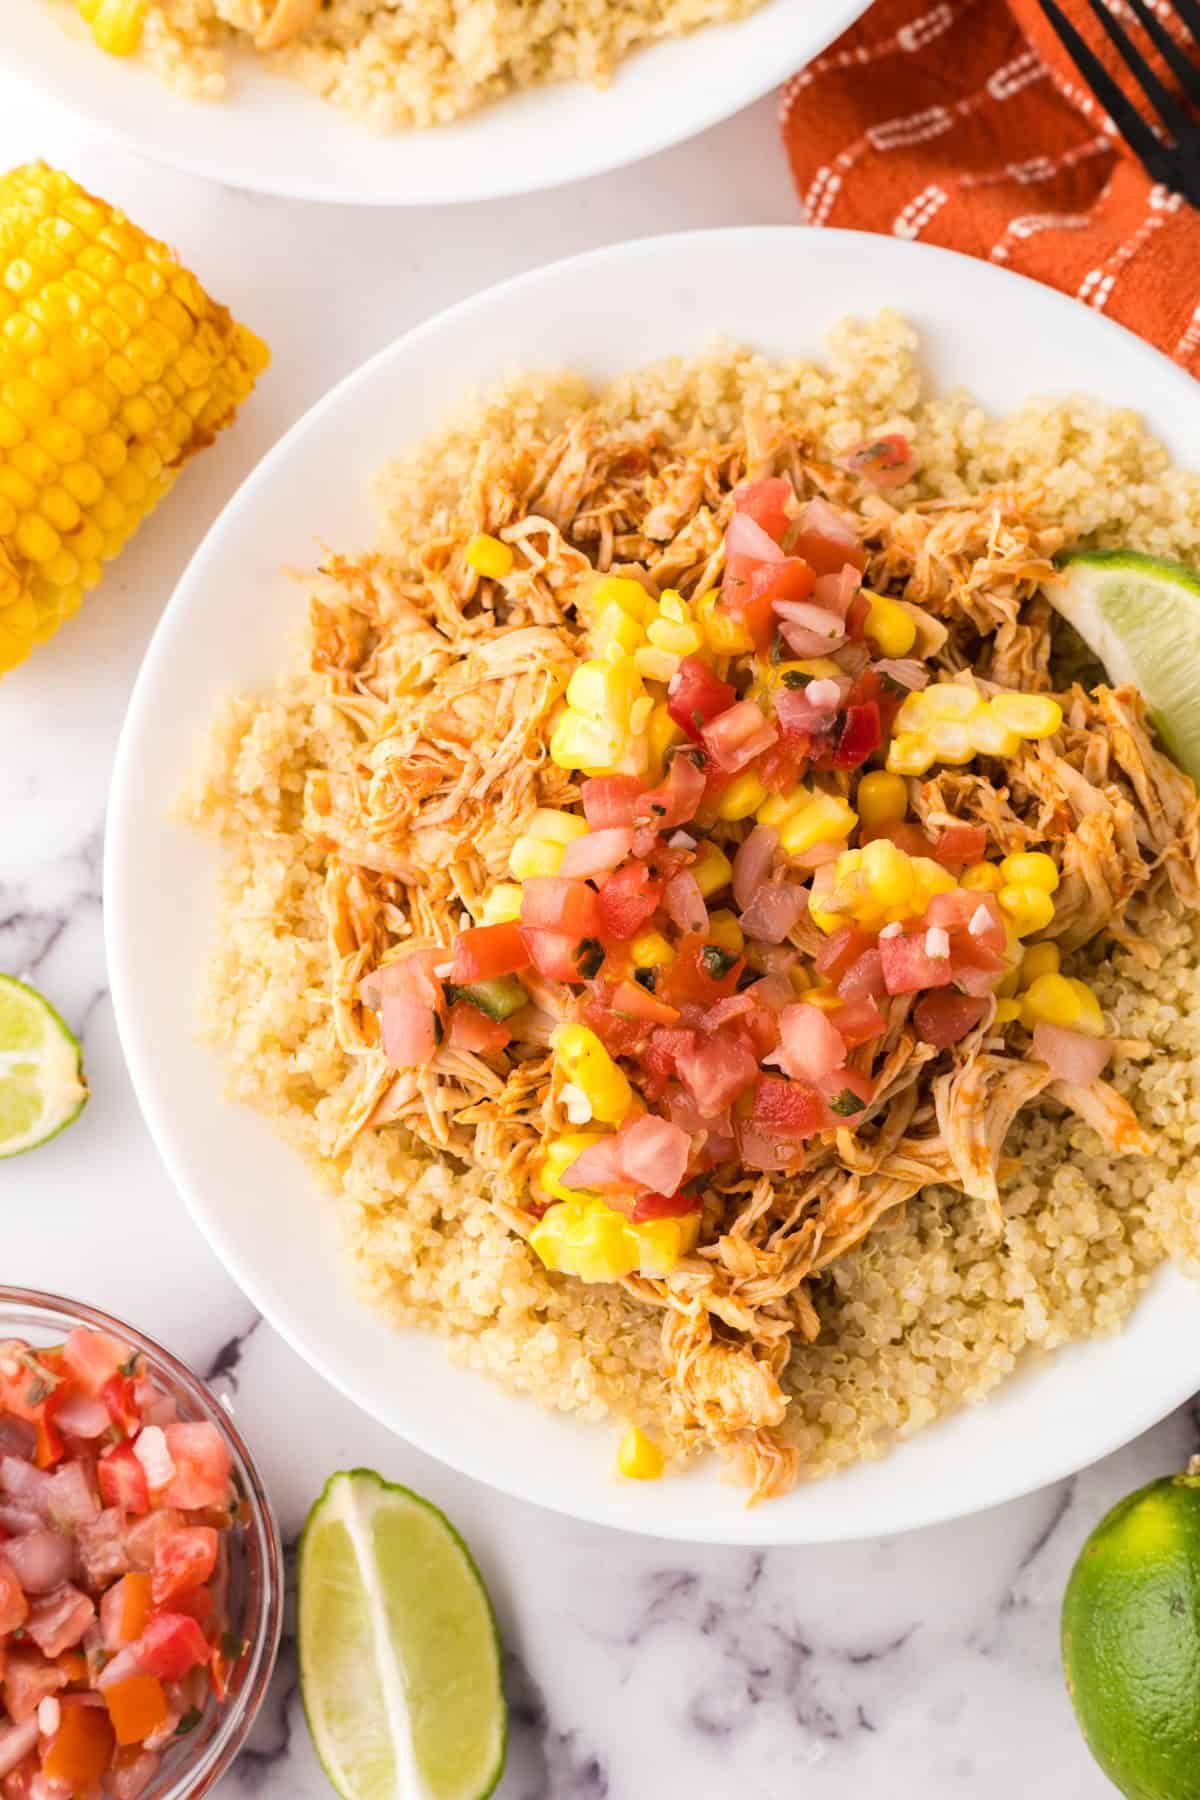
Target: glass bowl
point(193, 1765)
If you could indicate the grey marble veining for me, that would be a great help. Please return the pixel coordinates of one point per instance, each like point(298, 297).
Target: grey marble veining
point(919, 1666)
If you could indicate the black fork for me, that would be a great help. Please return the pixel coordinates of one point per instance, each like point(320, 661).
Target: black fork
point(1170, 155)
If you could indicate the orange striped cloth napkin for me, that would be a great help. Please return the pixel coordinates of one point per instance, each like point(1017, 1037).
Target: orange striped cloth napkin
point(962, 123)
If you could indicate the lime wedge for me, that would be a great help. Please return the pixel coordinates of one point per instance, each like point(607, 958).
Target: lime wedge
point(41, 1070)
point(399, 1655)
point(1141, 617)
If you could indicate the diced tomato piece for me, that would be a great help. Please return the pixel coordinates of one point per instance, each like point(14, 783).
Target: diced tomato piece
point(620, 1036)
point(662, 1206)
point(944, 1018)
point(861, 735)
point(553, 954)
point(125, 1610)
point(787, 1108)
point(715, 1070)
point(811, 1046)
point(14, 1608)
point(122, 1479)
point(486, 951)
point(143, 1534)
point(50, 1443)
point(197, 1603)
point(695, 695)
point(856, 618)
point(791, 579)
point(610, 800)
point(961, 909)
point(826, 539)
point(58, 1620)
point(467, 1028)
point(768, 503)
point(780, 767)
point(858, 1021)
point(735, 737)
point(908, 967)
point(182, 1559)
point(202, 1466)
point(840, 949)
point(557, 903)
point(79, 1751)
point(171, 1644)
point(886, 462)
point(864, 977)
point(93, 1357)
point(637, 1003)
point(658, 1057)
point(903, 833)
point(958, 845)
point(28, 1680)
point(137, 1707)
point(846, 1094)
point(628, 900)
point(689, 978)
point(674, 801)
point(121, 1400)
point(18, 1784)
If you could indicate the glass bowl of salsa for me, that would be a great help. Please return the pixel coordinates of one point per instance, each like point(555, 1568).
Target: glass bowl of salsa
point(141, 1570)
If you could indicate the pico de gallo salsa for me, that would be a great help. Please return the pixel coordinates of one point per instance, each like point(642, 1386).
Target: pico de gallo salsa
point(115, 1523)
point(718, 932)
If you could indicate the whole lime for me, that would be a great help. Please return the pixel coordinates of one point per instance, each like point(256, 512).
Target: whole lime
point(1131, 1641)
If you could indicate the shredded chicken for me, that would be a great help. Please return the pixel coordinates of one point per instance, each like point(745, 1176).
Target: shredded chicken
point(446, 685)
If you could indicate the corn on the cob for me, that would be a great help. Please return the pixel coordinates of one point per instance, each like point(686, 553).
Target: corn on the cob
point(114, 367)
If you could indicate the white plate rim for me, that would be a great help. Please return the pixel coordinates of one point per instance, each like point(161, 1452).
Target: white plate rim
point(775, 1523)
point(767, 61)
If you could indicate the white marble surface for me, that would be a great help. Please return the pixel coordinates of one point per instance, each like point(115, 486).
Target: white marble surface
point(921, 1665)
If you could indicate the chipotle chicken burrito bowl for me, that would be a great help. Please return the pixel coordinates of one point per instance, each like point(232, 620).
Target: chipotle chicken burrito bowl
point(723, 940)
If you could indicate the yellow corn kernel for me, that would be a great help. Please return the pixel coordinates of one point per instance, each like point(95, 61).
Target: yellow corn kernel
point(639, 1457)
point(946, 700)
point(1031, 868)
point(1007, 1011)
point(655, 665)
point(909, 754)
point(560, 1153)
point(613, 627)
point(929, 878)
point(712, 870)
point(950, 741)
point(889, 625)
point(590, 1241)
point(650, 950)
point(990, 735)
point(586, 744)
point(744, 795)
point(534, 856)
point(116, 24)
point(587, 1064)
point(488, 556)
point(554, 826)
point(826, 999)
point(882, 799)
point(677, 640)
point(622, 591)
point(1057, 1000)
point(982, 878)
point(779, 807)
point(1029, 909)
point(823, 819)
point(1008, 984)
point(66, 283)
point(1029, 715)
point(501, 904)
point(672, 605)
point(661, 1243)
point(725, 932)
point(661, 733)
point(888, 872)
point(724, 634)
point(1040, 959)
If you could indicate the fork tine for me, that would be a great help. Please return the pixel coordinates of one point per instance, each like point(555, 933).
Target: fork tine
point(1161, 98)
point(1176, 58)
point(1121, 110)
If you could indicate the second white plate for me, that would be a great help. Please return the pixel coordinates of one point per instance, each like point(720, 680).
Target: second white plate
point(229, 624)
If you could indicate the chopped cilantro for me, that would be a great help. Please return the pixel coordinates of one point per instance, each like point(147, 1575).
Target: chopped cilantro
point(717, 962)
point(189, 1721)
point(589, 957)
point(845, 1103)
point(646, 978)
point(795, 678)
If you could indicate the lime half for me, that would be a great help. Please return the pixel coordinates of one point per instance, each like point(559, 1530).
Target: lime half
point(41, 1070)
point(1141, 617)
point(399, 1655)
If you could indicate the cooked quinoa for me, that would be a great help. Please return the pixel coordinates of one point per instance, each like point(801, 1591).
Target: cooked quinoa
point(934, 1307)
point(392, 65)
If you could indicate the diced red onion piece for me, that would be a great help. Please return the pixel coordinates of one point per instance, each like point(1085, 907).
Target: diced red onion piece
point(802, 642)
point(906, 670)
point(773, 910)
point(1071, 1055)
point(684, 902)
point(752, 862)
point(598, 852)
point(15, 1744)
point(744, 537)
point(82, 1416)
point(41, 1560)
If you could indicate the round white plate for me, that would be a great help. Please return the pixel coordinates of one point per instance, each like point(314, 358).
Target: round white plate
point(227, 625)
point(271, 135)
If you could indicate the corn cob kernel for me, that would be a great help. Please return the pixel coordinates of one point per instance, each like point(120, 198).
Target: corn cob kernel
point(588, 1066)
point(1031, 868)
point(1029, 909)
point(531, 856)
point(724, 634)
point(1029, 715)
point(889, 625)
point(116, 24)
point(561, 1152)
point(488, 556)
point(1007, 1011)
point(114, 367)
point(712, 870)
point(501, 904)
point(639, 1457)
point(1040, 959)
point(982, 878)
point(1058, 1000)
point(725, 932)
point(881, 799)
point(650, 950)
point(555, 826)
point(744, 795)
